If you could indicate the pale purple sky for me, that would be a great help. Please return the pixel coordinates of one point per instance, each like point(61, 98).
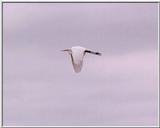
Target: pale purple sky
point(118, 88)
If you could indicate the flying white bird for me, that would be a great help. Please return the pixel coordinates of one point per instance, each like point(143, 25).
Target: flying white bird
point(77, 54)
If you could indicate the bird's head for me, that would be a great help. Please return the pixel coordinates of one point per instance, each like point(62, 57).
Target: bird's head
point(67, 50)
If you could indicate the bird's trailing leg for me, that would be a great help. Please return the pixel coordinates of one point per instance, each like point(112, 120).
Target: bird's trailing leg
point(92, 52)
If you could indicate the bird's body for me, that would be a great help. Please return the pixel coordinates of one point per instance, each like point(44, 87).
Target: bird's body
point(77, 54)
point(77, 57)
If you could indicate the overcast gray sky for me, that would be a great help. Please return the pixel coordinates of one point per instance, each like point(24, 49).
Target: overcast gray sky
point(118, 88)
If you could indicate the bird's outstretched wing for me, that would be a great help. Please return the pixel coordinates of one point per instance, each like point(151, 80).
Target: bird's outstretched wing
point(77, 64)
